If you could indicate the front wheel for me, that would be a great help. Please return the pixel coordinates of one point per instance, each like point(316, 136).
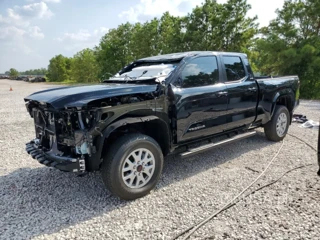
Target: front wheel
point(276, 129)
point(132, 167)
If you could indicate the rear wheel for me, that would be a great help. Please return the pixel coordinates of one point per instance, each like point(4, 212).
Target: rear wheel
point(132, 167)
point(276, 129)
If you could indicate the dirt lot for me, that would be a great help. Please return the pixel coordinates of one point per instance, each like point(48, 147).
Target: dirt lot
point(37, 202)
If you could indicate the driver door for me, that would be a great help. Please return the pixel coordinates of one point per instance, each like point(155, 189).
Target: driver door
point(201, 99)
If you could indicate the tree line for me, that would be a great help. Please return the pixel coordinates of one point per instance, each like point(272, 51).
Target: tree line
point(290, 45)
point(15, 73)
point(40, 71)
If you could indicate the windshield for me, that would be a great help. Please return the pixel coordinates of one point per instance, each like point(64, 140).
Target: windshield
point(153, 71)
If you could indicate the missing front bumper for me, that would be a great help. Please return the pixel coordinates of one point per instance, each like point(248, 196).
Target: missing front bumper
point(66, 164)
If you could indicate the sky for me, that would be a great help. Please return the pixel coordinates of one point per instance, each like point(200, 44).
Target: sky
point(34, 31)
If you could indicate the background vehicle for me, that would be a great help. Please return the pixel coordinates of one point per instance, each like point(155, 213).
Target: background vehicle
point(154, 107)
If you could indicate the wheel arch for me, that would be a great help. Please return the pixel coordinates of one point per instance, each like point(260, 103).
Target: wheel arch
point(152, 126)
point(285, 98)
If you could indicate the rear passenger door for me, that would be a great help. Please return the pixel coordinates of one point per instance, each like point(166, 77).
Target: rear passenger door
point(201, 99)
point(242, 92)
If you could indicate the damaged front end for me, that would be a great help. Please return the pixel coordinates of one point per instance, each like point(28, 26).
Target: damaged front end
point(71, 122)
point(70, 138)
point(62, 140)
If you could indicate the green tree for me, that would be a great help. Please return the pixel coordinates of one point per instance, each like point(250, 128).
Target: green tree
point(145, 39)
point(85, 67)
point(113, 52)
point(40, 71)
point(13, 73)
point(171, 35)
point(59, 69)
point(238, 30)
point(223, 27)
point(291, 45)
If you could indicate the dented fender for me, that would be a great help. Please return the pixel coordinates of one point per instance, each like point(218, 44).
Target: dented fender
point(95, 159)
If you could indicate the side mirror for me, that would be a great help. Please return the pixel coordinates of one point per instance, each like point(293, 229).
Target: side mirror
point(179, 82)
point(251, 77)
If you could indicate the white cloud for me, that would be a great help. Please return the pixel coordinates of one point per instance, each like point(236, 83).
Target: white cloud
point(17, 29)
point(13, 38)
point(148, 9)
point(3, 20)
point(18, 20)
point(82, 35)
point(36, 33)
point(34, 10)
point(13, 19)
point(21, 16)
point(101, 30)
point(81, 39)
point(13, 15)
point(11, 32)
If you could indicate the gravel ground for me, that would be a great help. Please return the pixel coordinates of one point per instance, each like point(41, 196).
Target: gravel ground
point(37, 202)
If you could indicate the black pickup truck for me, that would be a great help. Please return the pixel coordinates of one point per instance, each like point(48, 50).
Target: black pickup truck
point(182, 103)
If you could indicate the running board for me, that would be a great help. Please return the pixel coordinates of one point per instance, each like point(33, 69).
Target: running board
point(209, 146)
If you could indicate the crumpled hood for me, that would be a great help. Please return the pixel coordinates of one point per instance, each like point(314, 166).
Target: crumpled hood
point(79, 96)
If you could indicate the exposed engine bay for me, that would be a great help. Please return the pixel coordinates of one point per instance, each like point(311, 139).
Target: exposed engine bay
point(70, 132)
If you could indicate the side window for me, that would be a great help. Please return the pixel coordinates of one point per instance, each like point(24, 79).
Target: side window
point(234, 68)
point(202, 71)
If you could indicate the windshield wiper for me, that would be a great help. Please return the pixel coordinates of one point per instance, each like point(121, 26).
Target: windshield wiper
point(144, 72)
point(126, 76)
point(131, 78)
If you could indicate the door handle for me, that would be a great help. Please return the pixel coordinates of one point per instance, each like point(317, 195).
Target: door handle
point(253, 89)
point(221, 94)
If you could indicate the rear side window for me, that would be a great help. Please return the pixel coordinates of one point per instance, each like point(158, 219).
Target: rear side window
point(234, 68)
point(202, 71)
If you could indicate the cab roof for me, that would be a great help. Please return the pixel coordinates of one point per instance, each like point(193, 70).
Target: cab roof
point(174, 57)
point(181, 55)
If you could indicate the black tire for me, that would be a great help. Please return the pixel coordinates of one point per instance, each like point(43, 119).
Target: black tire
point(114, 161)
point(270, 129)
